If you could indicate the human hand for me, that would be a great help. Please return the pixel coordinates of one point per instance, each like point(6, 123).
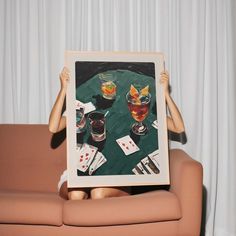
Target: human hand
point(164, 80)
point(64, 77)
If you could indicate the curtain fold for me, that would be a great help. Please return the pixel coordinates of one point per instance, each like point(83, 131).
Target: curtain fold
point(198, 40)
point(32, 52)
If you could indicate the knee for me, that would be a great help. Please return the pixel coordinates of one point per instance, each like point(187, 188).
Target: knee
point(77, 195)
point(98, 193)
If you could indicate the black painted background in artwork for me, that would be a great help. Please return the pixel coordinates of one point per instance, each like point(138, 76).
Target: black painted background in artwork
point(85, 70)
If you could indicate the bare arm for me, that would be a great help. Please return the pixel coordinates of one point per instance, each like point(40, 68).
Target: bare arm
point(174, 121)
point(57, 122)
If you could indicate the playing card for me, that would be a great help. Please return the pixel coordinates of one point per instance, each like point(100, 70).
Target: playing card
point(154, 157)
point(88, 107)
point(98, 160)
point(101, 162)
point(137, 171)
point(155, 124)
point(78, 146)
point(147, 166)
point(85, 154)
point(140, 166)
point(127, 145)
point(154, 165)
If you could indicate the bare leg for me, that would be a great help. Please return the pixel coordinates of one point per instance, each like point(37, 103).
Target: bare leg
point(72, 193)
point(77, 194)
point(99, 193)
point(63, 192)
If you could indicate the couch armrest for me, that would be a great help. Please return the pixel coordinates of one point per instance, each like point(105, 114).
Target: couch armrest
point(186, 182)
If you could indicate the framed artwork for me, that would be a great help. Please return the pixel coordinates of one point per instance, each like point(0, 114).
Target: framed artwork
point(116, 119)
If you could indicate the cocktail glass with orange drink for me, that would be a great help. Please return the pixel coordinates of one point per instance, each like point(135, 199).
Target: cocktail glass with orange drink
point(139, 103)
point(108, 85)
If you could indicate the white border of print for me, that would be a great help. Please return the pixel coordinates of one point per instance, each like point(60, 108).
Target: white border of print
point(116, 180)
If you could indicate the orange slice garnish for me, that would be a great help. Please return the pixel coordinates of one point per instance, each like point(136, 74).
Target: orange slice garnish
point(144, 91)
point(133, 92)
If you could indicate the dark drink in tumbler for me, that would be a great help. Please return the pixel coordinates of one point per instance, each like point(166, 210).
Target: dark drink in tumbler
point(97, 126)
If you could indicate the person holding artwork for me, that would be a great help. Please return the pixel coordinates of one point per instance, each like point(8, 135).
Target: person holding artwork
point(57, 122)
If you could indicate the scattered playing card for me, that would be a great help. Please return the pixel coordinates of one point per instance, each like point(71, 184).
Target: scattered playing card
point(148, 165)
point(155, 124)
point(127, 145)
point(154, 157)
point(85, 154)
point(78, 146)
point(88, 107)
point(100, 163)
point(140, 166)
point(146, 162)
point(98, 160)
point(137, 171)
point(154, 166)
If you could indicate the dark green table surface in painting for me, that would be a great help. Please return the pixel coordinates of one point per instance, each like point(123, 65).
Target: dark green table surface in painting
point(119, 122)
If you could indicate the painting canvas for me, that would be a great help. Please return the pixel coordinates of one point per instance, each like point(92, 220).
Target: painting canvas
point(116, 120)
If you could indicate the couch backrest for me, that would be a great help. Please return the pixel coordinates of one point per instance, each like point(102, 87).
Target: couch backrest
point(31, 158)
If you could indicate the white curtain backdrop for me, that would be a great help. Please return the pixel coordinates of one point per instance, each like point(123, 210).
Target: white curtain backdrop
point(198, 39)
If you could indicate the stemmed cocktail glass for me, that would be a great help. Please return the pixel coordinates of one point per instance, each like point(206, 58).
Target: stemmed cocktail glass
point(139, 104)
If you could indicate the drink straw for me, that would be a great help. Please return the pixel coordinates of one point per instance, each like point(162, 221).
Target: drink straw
point(106, 113)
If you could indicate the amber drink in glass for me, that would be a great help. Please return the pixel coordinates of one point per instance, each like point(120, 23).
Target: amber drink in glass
point(139, 109)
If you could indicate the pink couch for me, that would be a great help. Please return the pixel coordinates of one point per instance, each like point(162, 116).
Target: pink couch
point(31, 162)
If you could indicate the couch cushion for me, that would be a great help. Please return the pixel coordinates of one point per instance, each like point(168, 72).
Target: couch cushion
point(32, 159)
point(141, 208)
point(30, 208)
